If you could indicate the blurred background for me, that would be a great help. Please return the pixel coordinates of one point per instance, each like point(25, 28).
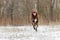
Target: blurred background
point(17, 12)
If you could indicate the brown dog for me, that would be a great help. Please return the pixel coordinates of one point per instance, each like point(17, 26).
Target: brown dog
point(34, 20)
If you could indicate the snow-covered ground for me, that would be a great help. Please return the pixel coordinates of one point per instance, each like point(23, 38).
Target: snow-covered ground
point(28, 33)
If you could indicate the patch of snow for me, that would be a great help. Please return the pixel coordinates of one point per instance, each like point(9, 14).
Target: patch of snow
point(28, 33)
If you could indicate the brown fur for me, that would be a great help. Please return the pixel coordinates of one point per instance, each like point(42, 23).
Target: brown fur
point(35, 24)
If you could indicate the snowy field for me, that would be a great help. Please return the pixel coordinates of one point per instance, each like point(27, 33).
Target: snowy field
point(28, 33)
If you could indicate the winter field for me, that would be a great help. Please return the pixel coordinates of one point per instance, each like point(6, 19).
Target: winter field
point(28, 33)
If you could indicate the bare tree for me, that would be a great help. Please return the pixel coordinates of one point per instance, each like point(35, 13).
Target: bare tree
point(52, 2)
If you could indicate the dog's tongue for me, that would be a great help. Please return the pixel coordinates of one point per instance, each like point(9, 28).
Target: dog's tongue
point(34, 14)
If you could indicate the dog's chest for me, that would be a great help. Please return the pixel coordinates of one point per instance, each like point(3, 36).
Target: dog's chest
point(35, 20)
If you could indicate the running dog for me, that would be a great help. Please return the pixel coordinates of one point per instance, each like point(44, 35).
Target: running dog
point(35, 20)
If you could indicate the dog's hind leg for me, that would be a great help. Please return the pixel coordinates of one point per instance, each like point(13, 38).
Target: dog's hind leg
point(34, 27)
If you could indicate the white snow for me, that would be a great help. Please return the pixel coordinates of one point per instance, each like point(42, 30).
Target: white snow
point(28, 33)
